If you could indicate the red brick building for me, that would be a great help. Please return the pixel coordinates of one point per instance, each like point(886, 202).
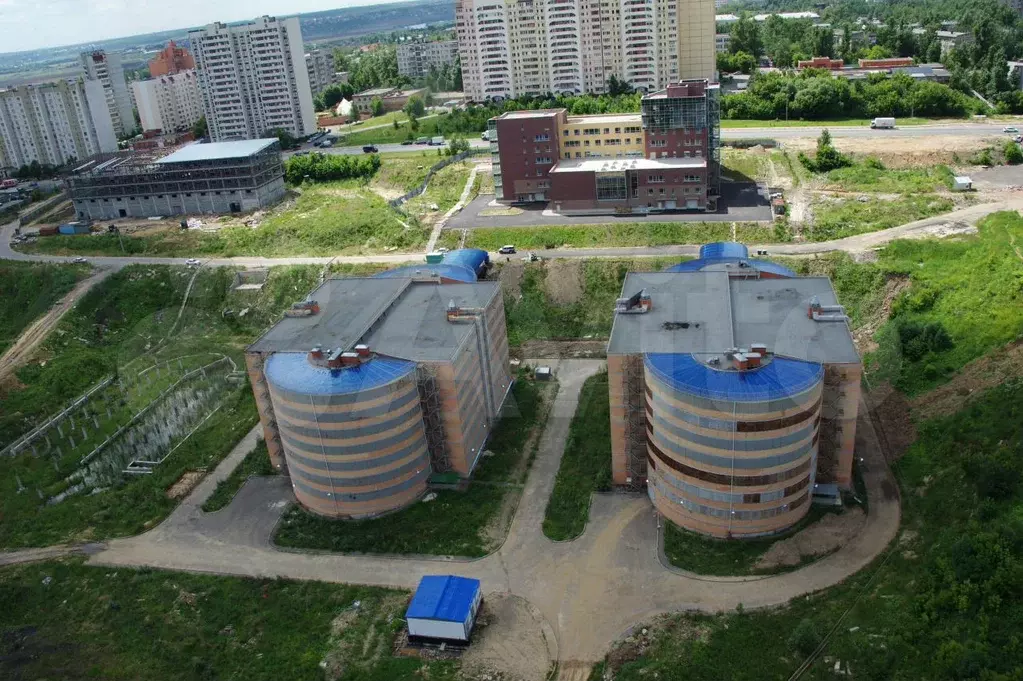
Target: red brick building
point(666, 158)
point(170, 60)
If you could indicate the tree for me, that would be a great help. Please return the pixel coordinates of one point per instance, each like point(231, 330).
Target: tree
point(414, 107)
point(376, 107)
point(746, 37)
point(1013, 154)
point(616, 87)
point(395, 122)
point(286, 139)
point(332, 95)
point(318, 103)
point(200, 129)
point(457, 146)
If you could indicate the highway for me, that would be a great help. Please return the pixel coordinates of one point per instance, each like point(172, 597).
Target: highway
point(959, 129)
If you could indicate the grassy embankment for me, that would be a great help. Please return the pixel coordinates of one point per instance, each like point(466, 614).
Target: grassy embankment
point(839, 122)
point(427, 527)
point(939, 604)
point(123, 326)
point(91, 622)
point(28, 290)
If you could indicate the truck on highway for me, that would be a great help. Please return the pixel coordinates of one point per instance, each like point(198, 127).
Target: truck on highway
point(883, 124)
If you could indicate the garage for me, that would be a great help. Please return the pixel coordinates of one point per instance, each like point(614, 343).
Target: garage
point(443, 609)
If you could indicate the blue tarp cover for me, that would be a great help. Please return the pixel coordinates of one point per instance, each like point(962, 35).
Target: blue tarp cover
point(725, 252)
point(443, 597)
point(447, 270)
point(292, 371)
point(724, 249)
point(473, 258)
point(779, 378)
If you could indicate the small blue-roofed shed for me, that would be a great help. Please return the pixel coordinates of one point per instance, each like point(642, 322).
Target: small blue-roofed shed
point(444, 608)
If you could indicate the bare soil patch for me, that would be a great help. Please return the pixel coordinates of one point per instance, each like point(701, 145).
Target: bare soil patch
point(510, 642)
point(977, 376)
point(678, 627)
point(824, 536)
point(510, 275)
point(904, 152)
point(185, 484)
point(564, 281)
point(889, 411)
point(568, 349)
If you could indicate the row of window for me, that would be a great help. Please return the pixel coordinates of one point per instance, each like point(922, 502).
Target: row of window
point(160, 196)
point(695, 507)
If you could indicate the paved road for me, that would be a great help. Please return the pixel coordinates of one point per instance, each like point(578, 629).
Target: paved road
point(590, 590)
point(780, 133)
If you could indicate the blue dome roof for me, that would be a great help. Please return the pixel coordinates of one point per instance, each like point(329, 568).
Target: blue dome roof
point(446, 270)
point(779, 378)
point(292, 371)
point(727, 253)
point(473, 258)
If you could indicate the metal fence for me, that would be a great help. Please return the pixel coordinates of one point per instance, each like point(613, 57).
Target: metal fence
point(398, 202)
point(42, 207)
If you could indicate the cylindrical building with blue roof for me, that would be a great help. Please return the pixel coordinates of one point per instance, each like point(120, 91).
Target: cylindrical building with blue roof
point(731, 452)
point(352, 434)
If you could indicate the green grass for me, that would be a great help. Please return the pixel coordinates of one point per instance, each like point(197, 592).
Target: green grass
point(971, 286)
point(28, 290)
point(428, 528)
point(609, 235)
point(728, 557)
point(142, 625)
point(388, 135)
point(837, 219)
point(841, 122)
point(403, 173)
point(585, 465)
point(338, 218)
point(863, 178)
point(444, 190)
point(942, 605)
point(256, 462)
point(739, 164)
point(122, 325)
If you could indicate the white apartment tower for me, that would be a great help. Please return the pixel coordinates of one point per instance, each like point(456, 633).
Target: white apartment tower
point(416, 58)
point(253, 78)
point(168, 103)
point(322, 72)
point(105, 67)
point(510, 48)
point(54, 122)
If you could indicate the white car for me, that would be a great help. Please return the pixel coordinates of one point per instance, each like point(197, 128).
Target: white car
point(192, 262)
point(443, 249)
point(80, 260)
point(506, 250)
point(1010, 128)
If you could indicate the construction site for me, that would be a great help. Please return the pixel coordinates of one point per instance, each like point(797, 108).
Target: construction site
point(734, 387)
point(371, 385)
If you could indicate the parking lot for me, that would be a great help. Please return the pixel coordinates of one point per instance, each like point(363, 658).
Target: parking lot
point(740, 202)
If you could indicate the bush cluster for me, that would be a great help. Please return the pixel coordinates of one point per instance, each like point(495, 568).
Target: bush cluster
point(324, 167)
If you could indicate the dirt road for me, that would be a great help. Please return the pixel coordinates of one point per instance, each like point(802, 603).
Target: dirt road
point(36, 333)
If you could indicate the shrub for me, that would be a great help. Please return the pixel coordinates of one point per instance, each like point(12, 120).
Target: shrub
point(916, 339)
point(805, 638)
point(1013, 154)
point(874, 162)
point(324, 167)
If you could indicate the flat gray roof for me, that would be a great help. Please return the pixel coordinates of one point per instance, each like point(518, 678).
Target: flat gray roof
point(217, 150)
point(724, 311)
point(397, 317)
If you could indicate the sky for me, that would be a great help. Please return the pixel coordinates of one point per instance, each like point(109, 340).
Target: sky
point(34, 24)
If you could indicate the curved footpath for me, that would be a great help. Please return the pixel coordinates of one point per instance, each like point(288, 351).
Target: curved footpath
point(928, 227)
point(591, 590)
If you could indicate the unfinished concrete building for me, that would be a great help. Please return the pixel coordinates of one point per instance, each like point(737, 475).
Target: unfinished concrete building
point(734, 388)
point(372, 384)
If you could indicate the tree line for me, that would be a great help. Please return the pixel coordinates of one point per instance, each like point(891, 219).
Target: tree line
point(326, 167)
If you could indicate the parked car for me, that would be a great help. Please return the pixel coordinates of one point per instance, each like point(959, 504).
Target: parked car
point(370, 149)
point(192, 262)
point(485, 136)
point(406, 142)
point(422, 140)
point(1010, 128)
point(437, 142)
point(301, 153)
point(443, 249)
point(506, 250)
point(80, 260)
point(1018, 139)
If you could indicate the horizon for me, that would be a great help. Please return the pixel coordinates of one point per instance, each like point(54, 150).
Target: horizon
point(61, 21)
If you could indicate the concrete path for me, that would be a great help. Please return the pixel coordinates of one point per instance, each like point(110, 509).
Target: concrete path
point(435, 234)
point(591, 590)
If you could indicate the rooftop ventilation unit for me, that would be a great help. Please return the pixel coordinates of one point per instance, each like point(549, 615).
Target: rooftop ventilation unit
point(639, 303)
point(825, 313)
point(303, 309)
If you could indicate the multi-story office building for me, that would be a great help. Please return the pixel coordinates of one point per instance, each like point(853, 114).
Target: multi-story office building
point(416, 58)
point(510, 48)
point(169, 103)
point(106, 68)
point(252, 78)
point(665, 158)
point(54, 122)
point(170, 60)
point(322, 74)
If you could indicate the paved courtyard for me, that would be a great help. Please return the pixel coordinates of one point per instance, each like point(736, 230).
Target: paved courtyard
point(740, 202)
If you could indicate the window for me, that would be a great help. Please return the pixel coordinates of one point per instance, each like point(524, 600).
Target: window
point(661, 190)
point(618, 131)
point(691, 178)
point(543, 160)
point(607, 131)
point(658, 143)
point(596, 143)
point(539, 173)
point(654, 179)
point(576, 132)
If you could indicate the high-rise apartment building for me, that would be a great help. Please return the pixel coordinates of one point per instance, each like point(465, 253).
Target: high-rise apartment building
point(697, 29)
point(416, 58)
point(322, 71)
point(106, 68)
point(54, 122)
point(510, 48)
point(253, 79)
point(170, 60)
point(168, 103)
